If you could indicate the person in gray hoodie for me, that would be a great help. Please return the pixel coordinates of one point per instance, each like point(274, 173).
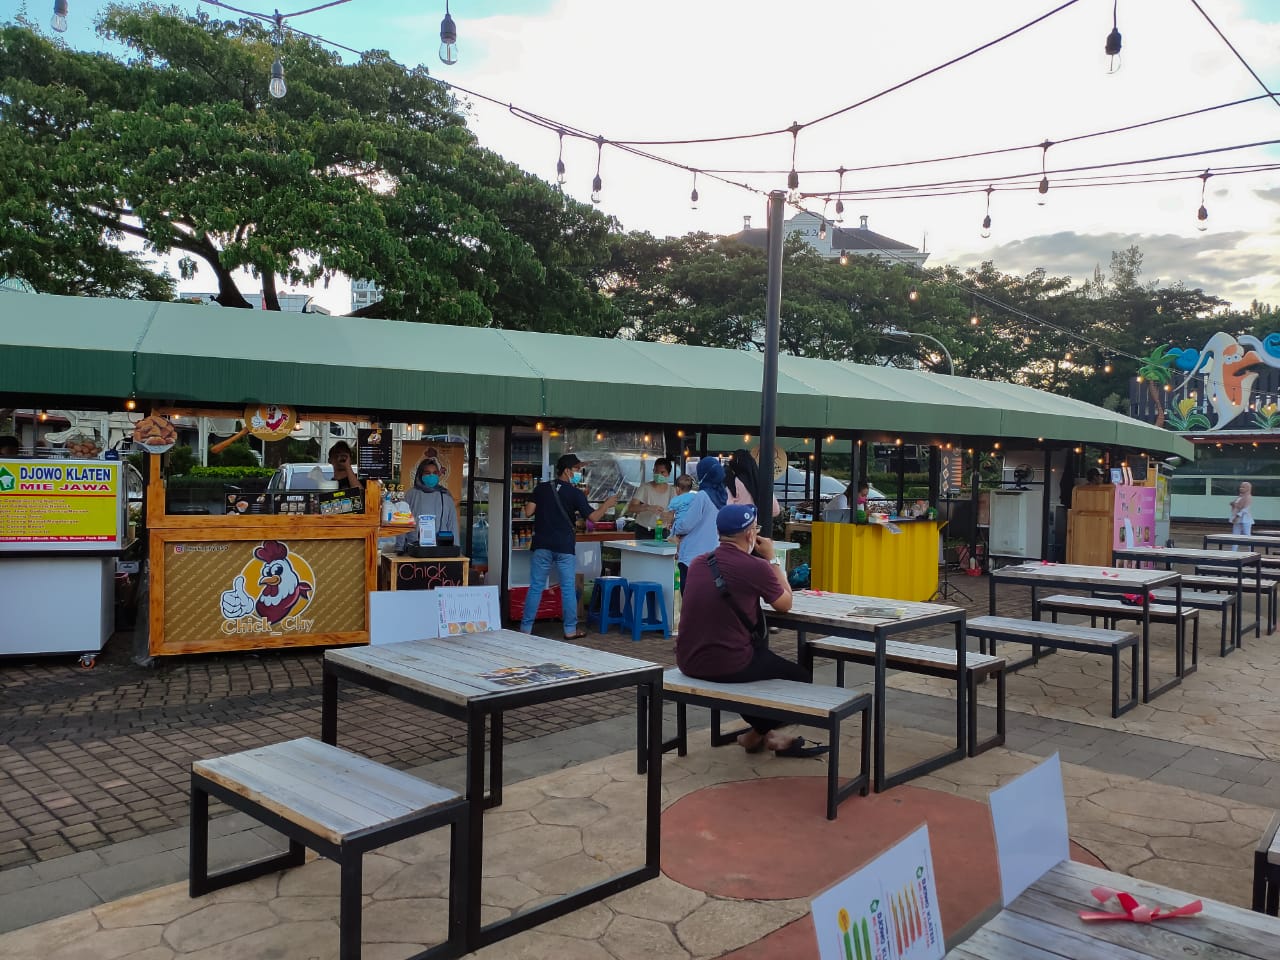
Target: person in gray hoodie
point(429, 495)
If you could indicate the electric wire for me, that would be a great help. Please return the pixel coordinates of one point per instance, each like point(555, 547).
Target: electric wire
point(1238, 56)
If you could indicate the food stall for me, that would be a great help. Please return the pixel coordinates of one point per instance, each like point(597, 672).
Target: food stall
point(276, 570)
point(63, 524)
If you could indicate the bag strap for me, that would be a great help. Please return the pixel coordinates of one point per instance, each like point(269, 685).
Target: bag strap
point(723, 587)
point(555, 493)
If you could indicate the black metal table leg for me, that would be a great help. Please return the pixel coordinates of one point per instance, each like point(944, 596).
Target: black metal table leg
point(329, 707)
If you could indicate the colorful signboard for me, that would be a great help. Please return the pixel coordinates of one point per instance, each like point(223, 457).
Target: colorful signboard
point(60, 505)
point(260, 589)
point(888, 910)
point(1134, 517)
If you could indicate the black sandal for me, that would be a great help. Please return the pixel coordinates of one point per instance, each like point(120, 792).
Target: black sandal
point(797, 748)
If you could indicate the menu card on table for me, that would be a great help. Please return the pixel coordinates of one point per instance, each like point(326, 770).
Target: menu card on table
point(468, 610)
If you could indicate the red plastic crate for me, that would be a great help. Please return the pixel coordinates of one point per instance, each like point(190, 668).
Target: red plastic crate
point(548, 605)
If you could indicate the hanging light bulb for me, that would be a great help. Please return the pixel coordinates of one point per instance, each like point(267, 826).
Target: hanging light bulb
point(793, 178)
point(693, 195)
point(277, 86)
point(1112, 48)
point(560, 177)
point(844, 258)
point(448, 38)
point(974, 319)
point(59, 21)
point(1107, 366)
point(913, 294)
point(1043, 189)
point(986, 220)
point(131, 404)
point(822, 230)
point(596, 182)
point(839, 201)
point(1202, 215)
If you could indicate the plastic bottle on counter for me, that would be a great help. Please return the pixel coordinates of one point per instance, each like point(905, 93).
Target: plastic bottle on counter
point(657, 529)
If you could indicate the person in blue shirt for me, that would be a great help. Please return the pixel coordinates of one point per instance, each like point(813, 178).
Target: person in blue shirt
point(554, 506)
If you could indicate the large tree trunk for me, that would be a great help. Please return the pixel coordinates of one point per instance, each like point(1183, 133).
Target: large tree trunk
point(270, 296)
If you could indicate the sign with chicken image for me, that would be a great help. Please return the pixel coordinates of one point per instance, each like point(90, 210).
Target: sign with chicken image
point(260, 589)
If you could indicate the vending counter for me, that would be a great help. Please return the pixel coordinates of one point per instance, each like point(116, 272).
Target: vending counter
point(872, 560)
point(62, 527)
point(246, 581)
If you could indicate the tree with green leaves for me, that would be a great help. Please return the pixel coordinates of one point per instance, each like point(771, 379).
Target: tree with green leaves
point(363, 168)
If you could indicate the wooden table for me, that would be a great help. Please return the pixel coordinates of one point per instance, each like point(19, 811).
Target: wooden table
point(829, 613)
point(1070, 576)
point(1262, 542)
point(453, 676)
point(1044, 923)
point(1225, 558)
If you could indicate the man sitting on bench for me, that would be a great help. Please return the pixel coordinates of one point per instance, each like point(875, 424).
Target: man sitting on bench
point(723, 634)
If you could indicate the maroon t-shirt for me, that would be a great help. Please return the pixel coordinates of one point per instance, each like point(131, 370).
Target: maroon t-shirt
point(712, 641)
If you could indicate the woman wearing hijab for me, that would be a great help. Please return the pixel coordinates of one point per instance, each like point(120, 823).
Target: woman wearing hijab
point(430, 496)
point(696, 528)
point(744, 480)
point(1242, 513)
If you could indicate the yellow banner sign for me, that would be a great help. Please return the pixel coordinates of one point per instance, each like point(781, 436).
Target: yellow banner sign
point(63, 504)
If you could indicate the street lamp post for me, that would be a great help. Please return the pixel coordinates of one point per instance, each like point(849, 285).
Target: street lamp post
point(897, 333)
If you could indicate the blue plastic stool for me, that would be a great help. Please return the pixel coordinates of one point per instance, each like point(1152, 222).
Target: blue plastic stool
point(609, 603)
point(650, 615)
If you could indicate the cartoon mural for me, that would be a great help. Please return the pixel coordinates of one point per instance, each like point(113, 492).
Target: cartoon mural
point(1216, 387)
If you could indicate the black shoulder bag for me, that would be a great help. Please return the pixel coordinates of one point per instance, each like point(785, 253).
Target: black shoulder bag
point(759, 630)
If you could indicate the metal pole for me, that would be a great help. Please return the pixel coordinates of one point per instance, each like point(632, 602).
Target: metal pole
point(769, 388)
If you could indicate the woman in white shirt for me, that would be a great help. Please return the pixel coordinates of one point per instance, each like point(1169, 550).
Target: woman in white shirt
point(651, 499)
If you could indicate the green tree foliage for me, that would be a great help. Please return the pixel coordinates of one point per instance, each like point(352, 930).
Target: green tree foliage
point(365, 168)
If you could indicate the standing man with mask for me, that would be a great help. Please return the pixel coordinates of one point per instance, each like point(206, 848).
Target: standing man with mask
point(554, 506)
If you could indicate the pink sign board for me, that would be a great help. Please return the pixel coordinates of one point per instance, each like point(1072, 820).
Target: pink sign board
point(1134, 517)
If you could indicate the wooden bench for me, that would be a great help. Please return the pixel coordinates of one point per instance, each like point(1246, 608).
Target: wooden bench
point(1203, 600)
point(1112, 610)
point(805, 704)
point(1224, 579)
point(1266, 871)
point(1062, 636)
point(930, 662)
point(339, 804)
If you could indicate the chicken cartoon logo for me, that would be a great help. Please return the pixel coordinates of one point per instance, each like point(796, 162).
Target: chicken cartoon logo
point(285, 585)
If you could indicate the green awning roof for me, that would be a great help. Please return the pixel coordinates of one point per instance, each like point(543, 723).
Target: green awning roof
point(196, 354)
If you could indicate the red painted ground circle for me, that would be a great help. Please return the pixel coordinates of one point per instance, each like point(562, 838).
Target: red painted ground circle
point(769, 839)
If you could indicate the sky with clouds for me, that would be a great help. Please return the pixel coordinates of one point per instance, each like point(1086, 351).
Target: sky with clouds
point(665, 70)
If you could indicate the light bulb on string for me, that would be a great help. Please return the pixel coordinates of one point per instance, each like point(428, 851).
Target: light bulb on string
point(1112, 47)
point(1202, 215)
point(693, 194)
point(59, 21)
point(560, 175)
point(913, 294)
point(839, 197)
point(1043, 189)
point(986, 219)
point(793, 178)
point(277, 86)
point(974, 319)
point(822, 226)
point(596, 182)
point(448, 38)
point(844, 258)
point(1107, 366)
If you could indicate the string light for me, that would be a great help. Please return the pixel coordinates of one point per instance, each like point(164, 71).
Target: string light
point(131, 404)
point(1112, 48)
point(277, 86)
point(596, 183)
point(560, 174)
point(693, 195)
point(974, 319)
point(913, 294)
point(1106, 365)
point(844, 258)
point(839, 201)
point(1043, 189)
point(448, 38)
point(793, 178)
point(822, 226)
point(59, 21)
point(1202, 215)
point(986, 220)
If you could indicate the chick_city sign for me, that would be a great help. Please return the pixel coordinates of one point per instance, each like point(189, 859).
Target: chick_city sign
point(271, 593)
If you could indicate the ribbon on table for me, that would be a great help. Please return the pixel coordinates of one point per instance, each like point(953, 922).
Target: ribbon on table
point(1134, 911)
point(812, 593)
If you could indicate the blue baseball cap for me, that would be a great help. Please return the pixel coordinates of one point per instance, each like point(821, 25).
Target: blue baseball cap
point(735, 518)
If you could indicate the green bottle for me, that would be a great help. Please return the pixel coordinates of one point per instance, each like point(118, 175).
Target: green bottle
point(657, 529)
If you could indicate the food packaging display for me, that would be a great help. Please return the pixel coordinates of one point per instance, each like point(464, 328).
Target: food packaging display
point(248, 503)
point(298, 503)
point(335, 502)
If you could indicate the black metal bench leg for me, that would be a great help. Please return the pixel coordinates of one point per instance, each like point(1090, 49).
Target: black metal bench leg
point(833, 768)
point(349, 906)
point(459, 872)
point(1115, 683)
point(642, 727)
point(198, 865)
point(864, 760)
point(682, 730)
